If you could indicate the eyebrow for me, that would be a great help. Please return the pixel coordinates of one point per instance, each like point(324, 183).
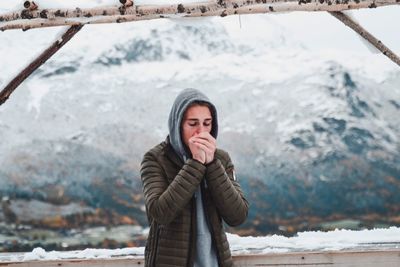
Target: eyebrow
point(208, 119)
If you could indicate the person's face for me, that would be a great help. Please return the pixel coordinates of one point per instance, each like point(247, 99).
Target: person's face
point(197, 119)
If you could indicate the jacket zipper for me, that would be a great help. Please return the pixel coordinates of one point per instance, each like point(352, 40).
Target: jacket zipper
point(190, 247)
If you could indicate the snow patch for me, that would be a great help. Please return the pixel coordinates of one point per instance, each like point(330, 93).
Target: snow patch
point(321, 241)
point(89, 253)
point(305, 241)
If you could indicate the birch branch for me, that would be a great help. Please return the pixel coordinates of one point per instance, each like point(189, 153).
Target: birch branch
point(366, 35)
point(49, 52)
point(28, 19)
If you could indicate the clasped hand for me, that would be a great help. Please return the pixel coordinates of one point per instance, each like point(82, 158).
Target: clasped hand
point(203, 147)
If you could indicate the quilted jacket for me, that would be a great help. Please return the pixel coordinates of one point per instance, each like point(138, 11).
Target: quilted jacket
point(169, 186)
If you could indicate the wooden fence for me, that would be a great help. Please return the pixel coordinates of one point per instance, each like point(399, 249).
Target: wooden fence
point(349, 258)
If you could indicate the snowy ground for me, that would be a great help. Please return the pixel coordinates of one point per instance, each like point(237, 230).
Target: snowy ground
point(306, 241)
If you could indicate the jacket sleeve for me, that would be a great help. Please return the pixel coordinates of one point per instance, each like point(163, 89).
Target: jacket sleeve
point(226, 192)
point(164, 201)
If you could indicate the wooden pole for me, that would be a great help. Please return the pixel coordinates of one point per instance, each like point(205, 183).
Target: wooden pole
point(127, 12)
point(366, 35)
point(11, 86)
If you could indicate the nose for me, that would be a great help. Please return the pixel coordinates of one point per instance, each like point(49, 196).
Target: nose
point(200, 129)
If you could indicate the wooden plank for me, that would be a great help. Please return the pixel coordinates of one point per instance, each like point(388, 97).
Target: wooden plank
point(383, 258)
point(387, 258)
point(112, 262)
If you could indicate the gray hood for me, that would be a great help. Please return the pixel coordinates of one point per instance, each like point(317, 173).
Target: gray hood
point(181, 103)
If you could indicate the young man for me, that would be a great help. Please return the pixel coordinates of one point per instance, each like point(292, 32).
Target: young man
point(189, 187)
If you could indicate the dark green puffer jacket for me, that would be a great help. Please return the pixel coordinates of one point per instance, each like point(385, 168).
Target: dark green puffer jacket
point(169, 186)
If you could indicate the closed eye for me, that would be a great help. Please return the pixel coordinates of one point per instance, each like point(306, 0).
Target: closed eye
point(195, 122)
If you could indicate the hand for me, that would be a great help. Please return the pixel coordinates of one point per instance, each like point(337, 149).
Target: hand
point(204, 146)
point(197, 153)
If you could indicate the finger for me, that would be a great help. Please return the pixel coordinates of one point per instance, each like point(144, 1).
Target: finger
point(194, 140)
point(204, 142)
point(209, 153)
point(193, 145)
point(208, 136)
point(205, 148)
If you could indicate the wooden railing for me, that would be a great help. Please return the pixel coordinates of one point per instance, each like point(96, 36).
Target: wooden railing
point(386, 257)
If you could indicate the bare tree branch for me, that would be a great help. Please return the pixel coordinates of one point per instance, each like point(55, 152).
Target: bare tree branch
point(28, 19)
point(366, 35)
point(9, 89)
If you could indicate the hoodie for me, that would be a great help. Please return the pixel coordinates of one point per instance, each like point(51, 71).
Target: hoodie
point(181, 103)
point(205, 250)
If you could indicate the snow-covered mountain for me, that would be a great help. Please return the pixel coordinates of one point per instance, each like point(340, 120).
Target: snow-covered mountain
point(310, 132)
